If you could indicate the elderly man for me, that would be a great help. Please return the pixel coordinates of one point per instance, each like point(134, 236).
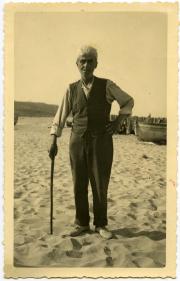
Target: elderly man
point(91, 146)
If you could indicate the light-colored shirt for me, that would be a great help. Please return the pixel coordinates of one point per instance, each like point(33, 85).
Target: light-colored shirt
point(113, 92)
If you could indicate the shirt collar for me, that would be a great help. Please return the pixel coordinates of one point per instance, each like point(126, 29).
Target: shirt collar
point(89, 85)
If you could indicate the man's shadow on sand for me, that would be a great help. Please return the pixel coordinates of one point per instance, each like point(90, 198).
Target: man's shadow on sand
point(129, 233)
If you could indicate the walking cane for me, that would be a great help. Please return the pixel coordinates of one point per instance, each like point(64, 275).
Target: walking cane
point(51, 195)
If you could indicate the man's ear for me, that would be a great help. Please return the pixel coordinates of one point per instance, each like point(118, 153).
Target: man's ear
point(96, 64)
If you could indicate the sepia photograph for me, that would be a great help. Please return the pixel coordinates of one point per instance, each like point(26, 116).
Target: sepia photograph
point(93, 143)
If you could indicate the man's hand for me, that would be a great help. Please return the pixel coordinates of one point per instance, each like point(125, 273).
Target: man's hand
point(111, 127)
point(53, 148)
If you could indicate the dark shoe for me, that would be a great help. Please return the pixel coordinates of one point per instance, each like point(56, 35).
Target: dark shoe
point(104, 232)
point(79, 230)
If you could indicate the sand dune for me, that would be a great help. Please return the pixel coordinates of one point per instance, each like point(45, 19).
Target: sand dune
point(136, 204)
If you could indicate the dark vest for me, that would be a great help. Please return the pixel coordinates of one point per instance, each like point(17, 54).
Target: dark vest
point(90, 114)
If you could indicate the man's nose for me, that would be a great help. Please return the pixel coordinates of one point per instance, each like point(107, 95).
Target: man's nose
point(85, 63)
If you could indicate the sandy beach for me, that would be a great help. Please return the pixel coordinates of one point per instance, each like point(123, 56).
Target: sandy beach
point(136, 204)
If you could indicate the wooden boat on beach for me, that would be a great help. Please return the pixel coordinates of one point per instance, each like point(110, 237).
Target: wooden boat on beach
point(152, 132)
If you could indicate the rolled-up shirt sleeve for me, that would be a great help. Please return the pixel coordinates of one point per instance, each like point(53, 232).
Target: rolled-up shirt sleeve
point(125, 101)
point(62, 113)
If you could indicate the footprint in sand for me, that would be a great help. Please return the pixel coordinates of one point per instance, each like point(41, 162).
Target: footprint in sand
point(19, 240)
point(86, 243)
point(18, 194)
point(145, 156)
point(52, 254)
point(74, 254)
point(110, 200)
point(107, 251)
point(132, 216)
point(71, 207)
point(44, 245)
point(76, 244)
point(153, 206)
point(42, 206)
point(112, 218)
point(133, 205)
point(109, 260)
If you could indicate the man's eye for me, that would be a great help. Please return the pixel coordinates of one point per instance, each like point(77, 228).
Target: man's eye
point(82, 61)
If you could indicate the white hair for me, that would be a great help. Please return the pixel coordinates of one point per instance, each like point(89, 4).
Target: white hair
point(87, 50)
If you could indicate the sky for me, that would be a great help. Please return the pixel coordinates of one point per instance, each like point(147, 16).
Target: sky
point(132, 48)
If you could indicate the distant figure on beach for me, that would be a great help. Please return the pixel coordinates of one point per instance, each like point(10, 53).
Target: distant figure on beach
point(91, 146)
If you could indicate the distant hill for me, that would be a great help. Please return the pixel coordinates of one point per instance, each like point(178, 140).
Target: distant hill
point(34, 109)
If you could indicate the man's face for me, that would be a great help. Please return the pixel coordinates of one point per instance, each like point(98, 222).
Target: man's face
point(86, 65)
